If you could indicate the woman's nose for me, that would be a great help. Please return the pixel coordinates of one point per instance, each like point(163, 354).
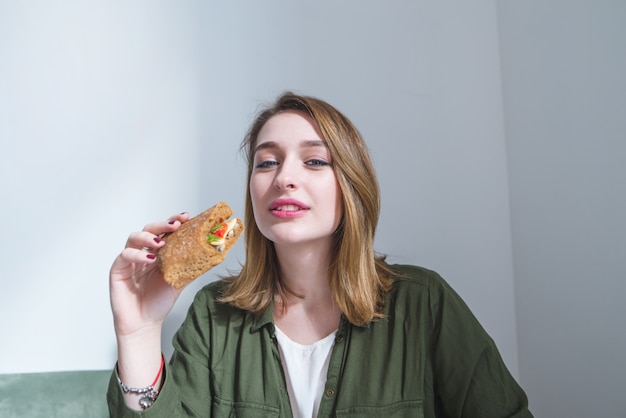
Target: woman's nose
point(286, 177)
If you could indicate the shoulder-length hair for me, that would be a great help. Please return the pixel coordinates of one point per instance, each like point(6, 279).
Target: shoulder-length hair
point(359, 278)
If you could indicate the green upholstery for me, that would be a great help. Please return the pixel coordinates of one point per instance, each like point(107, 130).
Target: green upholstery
point(54, 394)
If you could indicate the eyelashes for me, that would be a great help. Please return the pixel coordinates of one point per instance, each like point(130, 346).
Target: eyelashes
point(312, 163)
point(266, 165)
point(317, 163)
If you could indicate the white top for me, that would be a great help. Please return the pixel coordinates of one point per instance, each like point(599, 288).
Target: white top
point(305, 369)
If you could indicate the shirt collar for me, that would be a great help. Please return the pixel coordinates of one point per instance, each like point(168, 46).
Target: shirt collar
point(264, 318)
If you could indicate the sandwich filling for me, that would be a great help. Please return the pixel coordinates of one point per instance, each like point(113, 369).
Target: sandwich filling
point(220, 232)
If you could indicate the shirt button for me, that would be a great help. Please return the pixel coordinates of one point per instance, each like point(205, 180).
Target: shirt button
point(339, 339)
point(330, 392)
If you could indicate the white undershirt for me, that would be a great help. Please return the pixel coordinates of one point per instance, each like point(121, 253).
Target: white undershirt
point(305, 369)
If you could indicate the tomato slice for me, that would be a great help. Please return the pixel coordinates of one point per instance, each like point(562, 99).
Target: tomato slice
point(220, 230)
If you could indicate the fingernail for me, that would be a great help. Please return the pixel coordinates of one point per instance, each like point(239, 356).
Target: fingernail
point(151, 256)
point(157, 240)
point(172, 222)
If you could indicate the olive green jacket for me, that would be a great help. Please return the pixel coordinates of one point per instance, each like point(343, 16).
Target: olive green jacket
point(428, 358)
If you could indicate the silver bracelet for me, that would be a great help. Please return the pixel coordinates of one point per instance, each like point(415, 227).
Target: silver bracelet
point(148, 394)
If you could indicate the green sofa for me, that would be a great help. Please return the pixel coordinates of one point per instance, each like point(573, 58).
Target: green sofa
point(80, 394)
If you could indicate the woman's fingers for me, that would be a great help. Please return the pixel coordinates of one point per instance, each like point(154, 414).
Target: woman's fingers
point(138, 255)
point(144, 240)
point(142, 247)
point(170, 225)
point(150, 237)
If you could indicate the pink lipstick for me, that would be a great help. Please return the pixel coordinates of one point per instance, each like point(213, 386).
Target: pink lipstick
point(288, 208)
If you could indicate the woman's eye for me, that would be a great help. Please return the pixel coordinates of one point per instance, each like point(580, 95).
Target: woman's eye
point(266, 164)
point(317, 163)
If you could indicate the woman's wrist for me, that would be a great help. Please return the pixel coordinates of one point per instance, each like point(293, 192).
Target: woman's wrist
point(140, 359)
point(146, 396)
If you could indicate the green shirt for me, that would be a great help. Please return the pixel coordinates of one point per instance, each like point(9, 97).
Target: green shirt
point(428, 358)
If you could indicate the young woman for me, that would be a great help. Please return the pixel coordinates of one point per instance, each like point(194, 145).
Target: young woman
point(315, 324)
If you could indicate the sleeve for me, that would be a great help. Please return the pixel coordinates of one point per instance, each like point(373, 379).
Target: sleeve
point(471, 379)
point(186, 390)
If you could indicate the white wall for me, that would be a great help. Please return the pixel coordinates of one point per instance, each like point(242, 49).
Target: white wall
point(133, 133)
point(565, 98)
point(98, 114)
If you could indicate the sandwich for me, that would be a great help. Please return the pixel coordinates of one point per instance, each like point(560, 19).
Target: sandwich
point(198, 245)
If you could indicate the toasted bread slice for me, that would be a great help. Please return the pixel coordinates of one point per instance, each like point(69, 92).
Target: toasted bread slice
point(189, 252)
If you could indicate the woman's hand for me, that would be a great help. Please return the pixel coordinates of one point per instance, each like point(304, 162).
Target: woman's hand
point(140, 298)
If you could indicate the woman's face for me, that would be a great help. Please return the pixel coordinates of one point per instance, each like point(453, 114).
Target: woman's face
point(293, 188)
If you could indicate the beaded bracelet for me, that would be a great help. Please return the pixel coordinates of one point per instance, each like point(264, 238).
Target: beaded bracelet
point(148, 394)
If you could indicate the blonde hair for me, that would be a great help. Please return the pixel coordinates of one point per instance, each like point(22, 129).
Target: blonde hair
point(358, 277)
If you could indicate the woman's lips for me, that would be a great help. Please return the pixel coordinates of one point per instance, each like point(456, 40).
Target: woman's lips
point(288, 208)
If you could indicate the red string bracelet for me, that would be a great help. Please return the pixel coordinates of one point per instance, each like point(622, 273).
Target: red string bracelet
point(148, 394)
point(156, 379)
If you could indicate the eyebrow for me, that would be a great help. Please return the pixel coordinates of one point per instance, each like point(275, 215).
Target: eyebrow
point(303, 144)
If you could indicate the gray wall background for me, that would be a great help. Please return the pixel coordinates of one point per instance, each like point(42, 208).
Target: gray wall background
point(565, 105)
point(497, 128)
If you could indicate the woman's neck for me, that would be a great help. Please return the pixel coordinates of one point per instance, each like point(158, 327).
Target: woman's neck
point(305, 269)
point(309, 314)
